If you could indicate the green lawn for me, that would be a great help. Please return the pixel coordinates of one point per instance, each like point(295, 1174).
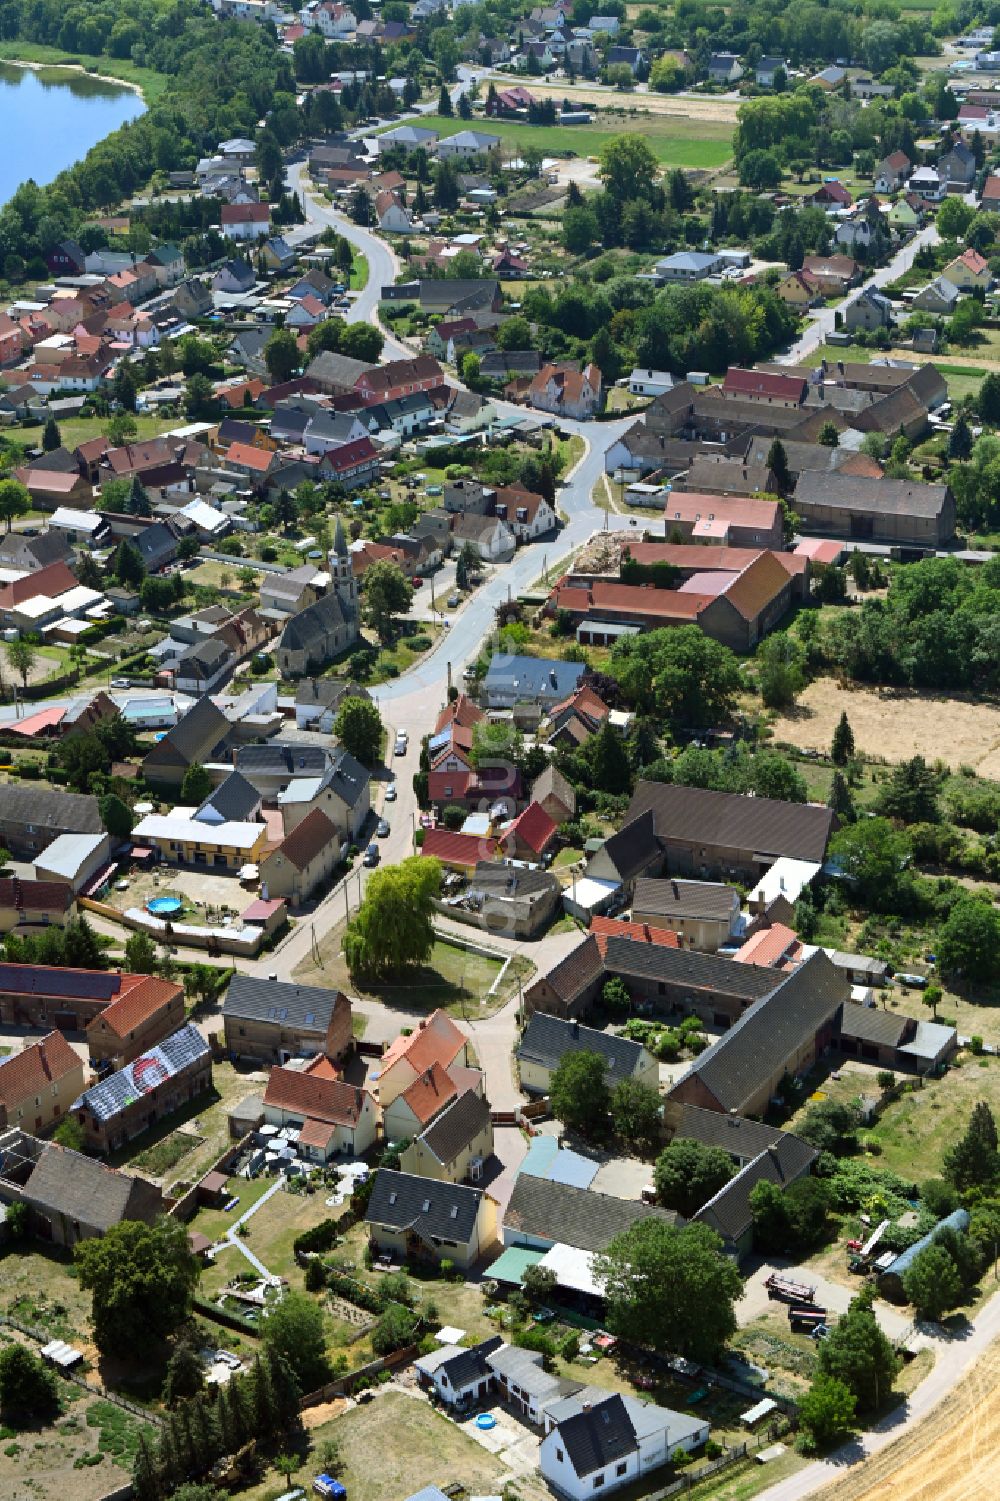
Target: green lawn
point(676, 142)
point(152, 84)
point(76, 430)
point(359, 272)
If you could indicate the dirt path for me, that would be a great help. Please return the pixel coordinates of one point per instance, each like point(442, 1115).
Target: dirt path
point(953, 1455)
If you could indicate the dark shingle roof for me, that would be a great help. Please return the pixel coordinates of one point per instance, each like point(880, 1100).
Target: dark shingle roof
point(547, 1040)
point(772, 1030)
point(196, 736)
point(347, 778)
point(470, 1365)
point(579, 969)
point(458, 1124)
point(234, 799)
point(299, 1007)
point(278, 759)
point(872, 1025)
point(742, 1138)
point(670, 898)
point(634, 847)
point(729, 1212)
point(569, 1216)
point(601, 1435)
point(87, 1191)
point(445, 1211)
point(76, 812)
point(757, 824)
point(689, 968)
point(110, 1097)
point(311, 624)
point(882, 497)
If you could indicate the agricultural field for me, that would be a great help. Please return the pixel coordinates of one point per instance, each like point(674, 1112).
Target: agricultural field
point(85, 1454)
point(673, 141)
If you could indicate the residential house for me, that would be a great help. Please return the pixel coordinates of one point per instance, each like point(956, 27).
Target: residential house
point(318, 700)
point(458, 1375)
point(687, 266)
point(543, 1213)
point(31, 818)
point(70, 1197)
point(632, 57)
point(612, 1442)
point(969, 271)
point(721, 520)
point(767, 69)
point(940, 297)
point(306, 857)
point(126, 1103)
point(552, 792)
point(726, 68)
point(892, 172)
point(958, 167)
point(529, 836)
point(416, 1219)
point(194, 739)
point(268, 1021)
point(466, 143)
point(333, 1118)
point(456, 1145)
point(39, 1084)
point(436, 1040)
point(421, 1102)
point(544, 682)
point(234, 277)
point(135, 1021)
point(852, 233)
point(460, 852)
point(566, 391)
point(548, 1040)
point(34, 904)
point(705, 915)
point(245, 221)
point(342, 792)
point(491, 536)
point(869, 310)
point(833, 274)
point(183, 837)
point(927, 185)
point(391, 215)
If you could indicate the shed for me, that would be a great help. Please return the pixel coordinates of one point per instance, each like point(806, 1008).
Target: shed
point(890, 1282)
point(212, 1190)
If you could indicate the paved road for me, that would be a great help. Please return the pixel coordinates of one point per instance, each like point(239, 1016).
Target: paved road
point(824, 323)
point(954, 1359)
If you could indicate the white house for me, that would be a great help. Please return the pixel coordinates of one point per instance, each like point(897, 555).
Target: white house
point(650, 382)
point(458, 1375)
point(245, 221)
point(606, 1444)
point(466, 143)
point(393, 218)
point(854, 232)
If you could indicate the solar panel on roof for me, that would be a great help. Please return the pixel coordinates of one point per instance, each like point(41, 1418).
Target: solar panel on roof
point(88, 985)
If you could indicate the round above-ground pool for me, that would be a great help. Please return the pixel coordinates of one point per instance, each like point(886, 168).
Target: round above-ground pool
point(164, 906)
point(485, 1420)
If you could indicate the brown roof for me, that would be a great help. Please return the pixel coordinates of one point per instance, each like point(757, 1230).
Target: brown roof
point(758, 584)
point(306, 840)
point(137, 1005)
point(34, 896)
point(40, 1063)
point(315, 1098)
point(765, 826)
point(429, 1093)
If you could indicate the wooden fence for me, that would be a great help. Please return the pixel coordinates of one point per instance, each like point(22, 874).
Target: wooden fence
point(345, 1383)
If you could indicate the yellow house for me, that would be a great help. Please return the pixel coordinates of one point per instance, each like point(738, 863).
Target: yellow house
point(798, 289)
point(415, 1219)
point(455, 1147)
point(182, 839)
point(39, 1084)
point(968, 271)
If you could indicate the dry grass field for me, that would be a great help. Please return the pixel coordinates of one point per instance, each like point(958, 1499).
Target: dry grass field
point(896, 724)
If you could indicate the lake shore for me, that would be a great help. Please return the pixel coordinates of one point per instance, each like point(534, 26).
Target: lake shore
point(122, 83)
point(39, 57)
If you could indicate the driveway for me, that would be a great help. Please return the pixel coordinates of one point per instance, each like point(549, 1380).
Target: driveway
point(832, 1295)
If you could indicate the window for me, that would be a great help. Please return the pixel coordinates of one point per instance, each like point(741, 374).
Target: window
point(621, 1469)
point(559, 1455)
point(598, 1482)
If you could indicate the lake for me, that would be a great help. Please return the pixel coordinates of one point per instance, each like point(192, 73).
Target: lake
point(49, 119)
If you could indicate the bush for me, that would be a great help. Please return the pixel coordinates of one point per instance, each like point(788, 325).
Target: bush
point(419, 642)
point(315, 1275)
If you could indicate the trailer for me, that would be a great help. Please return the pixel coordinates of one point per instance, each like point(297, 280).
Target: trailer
point(806, 1318)
point(787, 1291)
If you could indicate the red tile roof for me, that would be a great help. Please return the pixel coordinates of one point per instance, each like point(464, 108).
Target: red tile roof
point(137, 1005)
point(429, 1093)
point(533, 828)
point(306, 840)
point(760, 383)
point(51, 581)
point(448, 786)
point(769, 947)
point(38, 1064)
point(34, 896)
point(462, 712)
point(437, 1040)
point(245, 456)
point(462, 850)
point(320, 1099)
point(604, 928)
point(245, 213)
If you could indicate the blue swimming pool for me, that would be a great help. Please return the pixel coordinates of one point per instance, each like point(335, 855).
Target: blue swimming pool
point(164, 906)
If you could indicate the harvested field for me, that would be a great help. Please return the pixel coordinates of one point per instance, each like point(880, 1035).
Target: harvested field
point(951, 1455)
point(712, 108)
point(897, 723)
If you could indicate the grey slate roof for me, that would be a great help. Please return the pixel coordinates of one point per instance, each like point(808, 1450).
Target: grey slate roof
point(547, 1040)
point(234, 799)
point(459, 1123)
point(757, 824)
point(742, 1138)
point(279, 759)
point(882, 497)
point(678, 898)
point(729, 1213)
point(580, 967)
point(76, 812)
point(562, 1214)
point(300, 1008)
point(443, 1211)
point(337, 370)
point(598, 1437)
point(469, 1365)
point(871, 1024)
point(197, 735)
point(688, 967)
point(347, 778)
point(88, 1191)
point(771, 1030)
point(530, 677)
point(634, 847)
point(313, 623)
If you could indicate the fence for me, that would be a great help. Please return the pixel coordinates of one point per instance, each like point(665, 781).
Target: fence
point(43, 1337)
point(243, 942)
point(343, 1384)
point(186, 1205)
point(691, 1478)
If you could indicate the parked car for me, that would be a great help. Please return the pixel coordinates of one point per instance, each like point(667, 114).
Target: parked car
point(382, 830)
point(390, 793)
point(371, 855)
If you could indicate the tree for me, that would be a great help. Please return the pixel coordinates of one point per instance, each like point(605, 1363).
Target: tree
point(444, 103)
point(69, 1133)
point(831, 1125)
point(826, 1412)
point(842, 746)
point(293, 1330)
point(127, 566)
point(671, 1289)
point(960, 439)
point(51, 436)
point(22, 657)
point(142, 1278)
point(281, 354)
point(840, 799)
point(358, 727)
point(635, 1111)
point(969, 943)
point(120, 429)
point(781, 669)
point(687, 1174)
point(792, 1221)
point(875, 858)
point(628, 167)
point(27, 1385)
point(988, 400)
point(931, 1283)
point(579, 228)
point(579, 1094)
point(14, 501)
point(196, 786)
point(199, 399)
point(777, 462)
point(616, 997)
point(140, 954)
point(974, 1160)
point(680, 673)
point(607, 759)
point(911, 793)
point(391, 930)
point(386, 593)
point(394, 1329)
point(467, 563)
point(185, 1376)
point(857, 1353)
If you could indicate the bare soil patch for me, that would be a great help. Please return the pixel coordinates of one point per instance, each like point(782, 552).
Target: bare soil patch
point(897, 723)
